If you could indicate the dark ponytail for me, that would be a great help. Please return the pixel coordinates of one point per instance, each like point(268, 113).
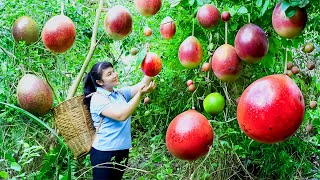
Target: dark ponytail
point(90, 83)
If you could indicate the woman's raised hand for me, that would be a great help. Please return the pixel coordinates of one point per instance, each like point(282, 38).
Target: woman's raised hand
point(146, 89)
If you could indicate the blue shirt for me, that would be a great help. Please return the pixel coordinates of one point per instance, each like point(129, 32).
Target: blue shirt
point(112, 134)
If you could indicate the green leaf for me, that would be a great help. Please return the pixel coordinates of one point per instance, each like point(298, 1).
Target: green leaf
point(140, 56)
point(191, 2)
point(264, 8)
point(268, 60)
point(242, 10)
point(259, 3)
point(15, 166)
point(284, 6)
point(290, 11)
point(303, 3)
point(201, 2)
point(174, 3)
point(232, 11)
point(3, 174)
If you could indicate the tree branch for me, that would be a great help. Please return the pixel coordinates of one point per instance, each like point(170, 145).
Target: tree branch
point(76, 83)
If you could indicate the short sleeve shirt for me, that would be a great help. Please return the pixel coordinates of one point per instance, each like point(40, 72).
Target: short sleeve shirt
point(112, 134)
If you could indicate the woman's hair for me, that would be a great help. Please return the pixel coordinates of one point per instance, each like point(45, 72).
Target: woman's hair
point(90, 83)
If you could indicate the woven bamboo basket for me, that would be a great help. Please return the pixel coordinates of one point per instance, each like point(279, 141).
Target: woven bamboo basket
point(75, 125)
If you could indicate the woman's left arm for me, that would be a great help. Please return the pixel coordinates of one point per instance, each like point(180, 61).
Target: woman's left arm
point(144, 82)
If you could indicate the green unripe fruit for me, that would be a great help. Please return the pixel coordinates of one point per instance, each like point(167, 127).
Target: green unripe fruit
point(214, 103)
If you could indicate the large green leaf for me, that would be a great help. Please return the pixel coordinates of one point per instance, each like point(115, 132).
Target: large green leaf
point(3, 174)
point(242, 10)
point(15, 166)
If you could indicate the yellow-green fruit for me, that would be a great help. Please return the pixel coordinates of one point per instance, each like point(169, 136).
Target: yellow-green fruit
point(214, 103)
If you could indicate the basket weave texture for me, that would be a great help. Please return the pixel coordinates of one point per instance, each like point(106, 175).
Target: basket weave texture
point(75, 125)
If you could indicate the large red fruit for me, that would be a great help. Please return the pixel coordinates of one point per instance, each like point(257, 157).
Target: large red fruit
point(147, 7)
point(151, 64)
point(208, 16)
point(190, 52)
point(25, 29)
point(226, 64)
point(289, 27)
point(167, 28)
point(271, 109)
point(118, 22)
point(34, 95)
point(58, 34)
point(251, 43)
point(189, 135)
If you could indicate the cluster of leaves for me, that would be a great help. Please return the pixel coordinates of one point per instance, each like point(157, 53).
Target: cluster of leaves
point(233, 155)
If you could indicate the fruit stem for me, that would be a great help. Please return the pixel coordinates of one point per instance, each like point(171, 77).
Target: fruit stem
point(73, 88)
point(286, 61)
point(190, 170)
point(225, 89)
point(192, 26)
point(53, 90)
point(249, 18)
point(226, 33)
point(62, 7)
point(23, 70)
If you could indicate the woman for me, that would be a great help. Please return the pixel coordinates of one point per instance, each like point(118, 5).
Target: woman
point(111, 111)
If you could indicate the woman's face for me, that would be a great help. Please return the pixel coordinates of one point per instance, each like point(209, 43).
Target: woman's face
point(109, 78)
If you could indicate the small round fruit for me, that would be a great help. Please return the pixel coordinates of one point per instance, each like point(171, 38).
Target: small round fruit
point(289, 73)
point(25, 29)
point(313, 104)
point(147, 7)
point(311, 65)
point(309, 129)
point(189, 82)
point(189, 136)
point(118, 22)
point(167, 28)
point(225, 16)
point(289, 65)
point(146, 100)
point(205, 67)
point(147, 31)
point(151, 64)
point(208, 16)
point(134, 51)
point(192, 87)
point(308, 48)
point(147, 113)
point(58, 34)
point(295, 70)
point(214, 103)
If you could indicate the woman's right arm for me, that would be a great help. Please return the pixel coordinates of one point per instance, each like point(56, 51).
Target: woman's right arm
point(121, 112)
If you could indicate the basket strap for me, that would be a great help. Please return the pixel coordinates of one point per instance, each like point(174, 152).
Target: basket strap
point(95, 134)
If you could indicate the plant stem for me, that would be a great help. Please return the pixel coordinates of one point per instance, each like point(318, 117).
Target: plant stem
point(9, 54)
point(192, 26)
point(62, 7)
point(226, 33)
point(248, 17)
point(208, 153)
point(53, 90)
point(285, 62)
point(76, 83)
